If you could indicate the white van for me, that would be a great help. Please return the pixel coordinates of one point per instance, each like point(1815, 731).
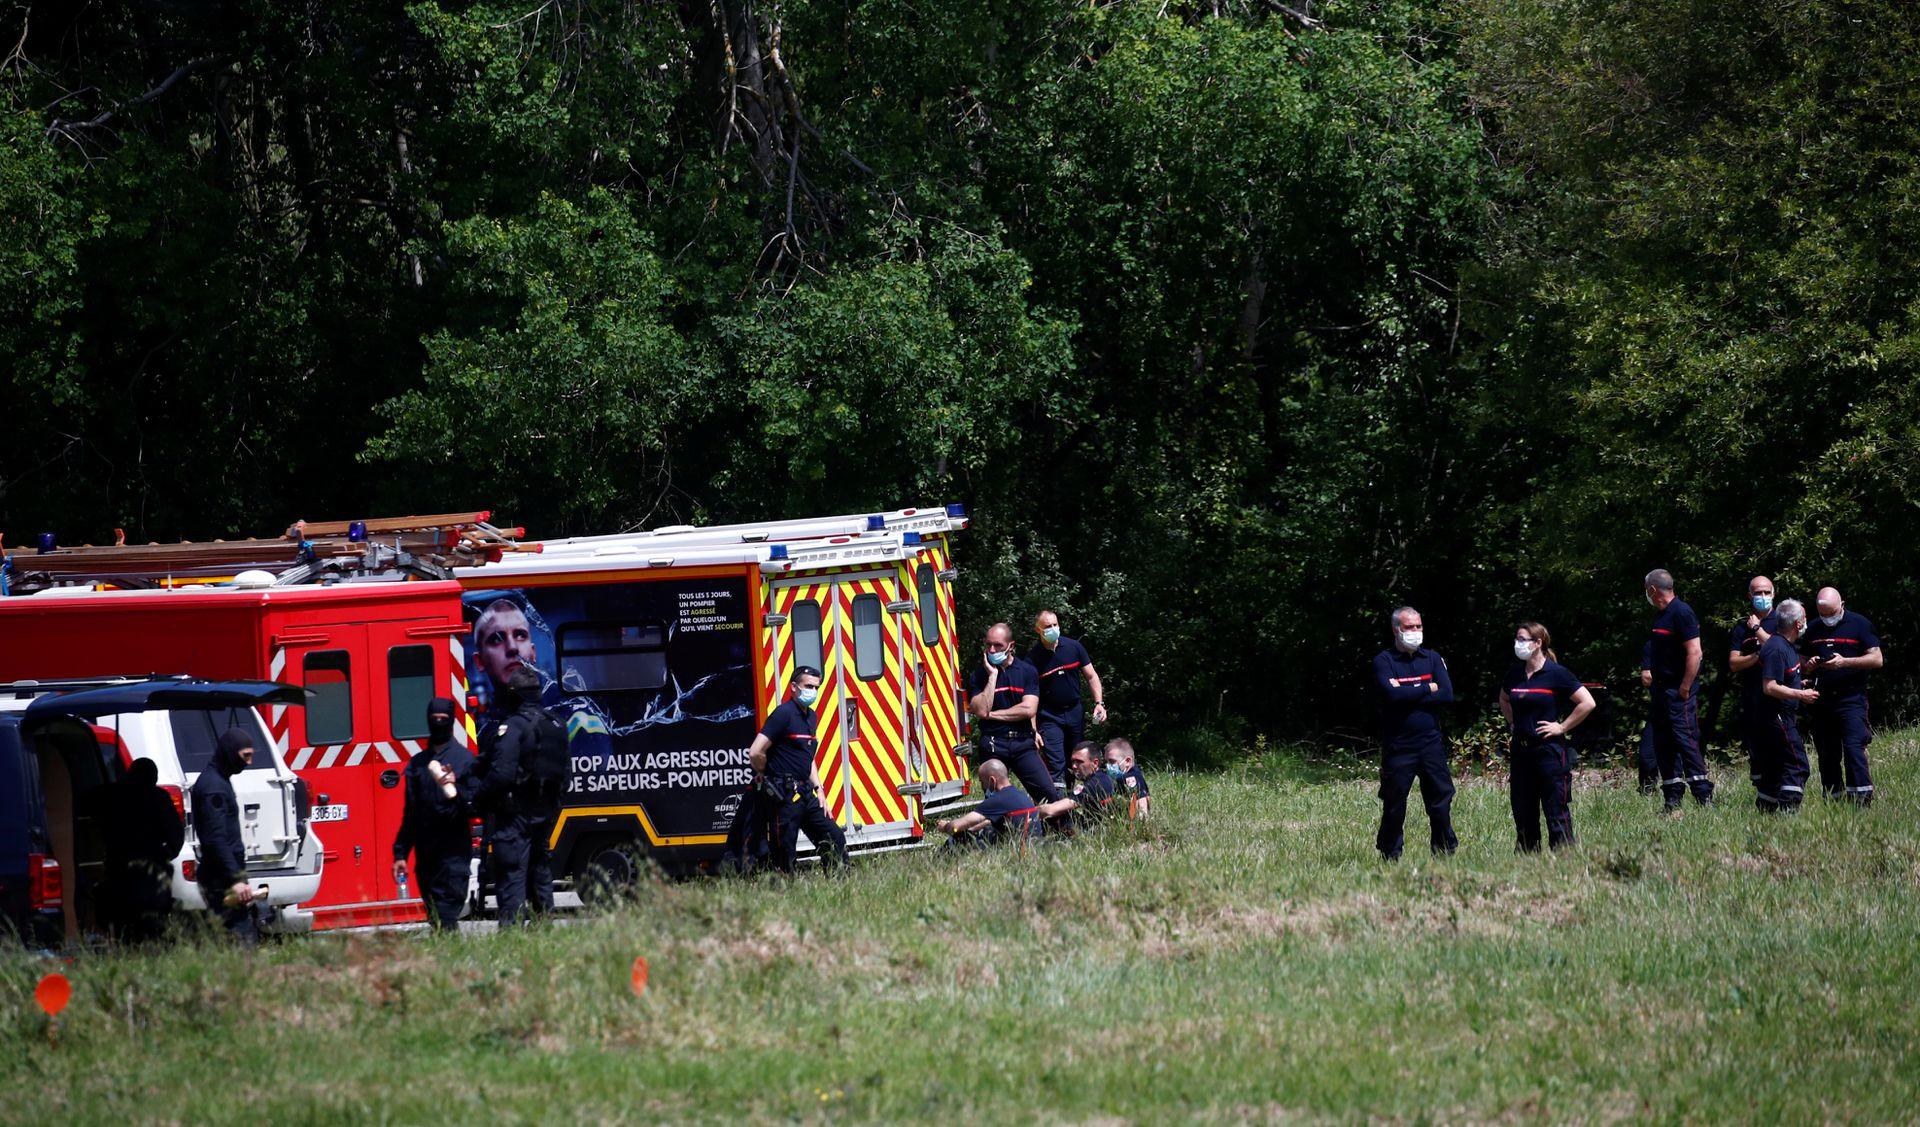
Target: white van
point(175, 722)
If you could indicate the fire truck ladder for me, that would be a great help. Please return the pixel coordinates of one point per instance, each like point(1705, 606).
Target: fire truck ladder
point(426, 547)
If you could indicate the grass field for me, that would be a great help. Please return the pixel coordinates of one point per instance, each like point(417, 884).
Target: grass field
point(1248, 958)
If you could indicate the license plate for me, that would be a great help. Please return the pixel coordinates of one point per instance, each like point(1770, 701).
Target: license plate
point(329, 814)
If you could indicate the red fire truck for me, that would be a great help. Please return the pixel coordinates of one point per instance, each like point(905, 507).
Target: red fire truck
point(663, 650)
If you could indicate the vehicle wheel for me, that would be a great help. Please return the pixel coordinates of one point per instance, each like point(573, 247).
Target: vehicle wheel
point(610, 871)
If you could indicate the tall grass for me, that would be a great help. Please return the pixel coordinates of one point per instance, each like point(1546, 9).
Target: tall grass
point(1245, 956)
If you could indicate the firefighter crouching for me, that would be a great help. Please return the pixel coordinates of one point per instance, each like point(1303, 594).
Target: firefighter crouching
point(516, 785)
point(433, 824)
point(788, 791)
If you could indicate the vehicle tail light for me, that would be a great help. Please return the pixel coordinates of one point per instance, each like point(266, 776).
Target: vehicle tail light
point(190, 870)
point(43, 882)
point(179, 801)
point(302, 800)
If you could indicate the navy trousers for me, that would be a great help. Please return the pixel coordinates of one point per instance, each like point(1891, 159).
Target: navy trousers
point(1399, 767)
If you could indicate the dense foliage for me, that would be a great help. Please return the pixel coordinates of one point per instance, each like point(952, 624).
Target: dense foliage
point(1235, 323)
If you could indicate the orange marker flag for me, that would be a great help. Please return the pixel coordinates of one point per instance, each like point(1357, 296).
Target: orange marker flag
point(639, 975)
point(53, 992)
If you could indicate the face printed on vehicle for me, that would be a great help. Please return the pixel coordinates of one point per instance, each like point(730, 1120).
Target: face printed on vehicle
point(504, 641)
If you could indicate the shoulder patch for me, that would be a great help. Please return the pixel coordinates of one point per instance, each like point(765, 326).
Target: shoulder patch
point(502, 731)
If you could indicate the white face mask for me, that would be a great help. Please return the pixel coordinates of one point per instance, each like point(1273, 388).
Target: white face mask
point(1833, 619)
point(1523, 650)
point(1650, 602)
point(1412, 638)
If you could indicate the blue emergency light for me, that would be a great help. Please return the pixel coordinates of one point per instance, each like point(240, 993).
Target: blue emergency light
point(876, 523)
point(956, 509)
point(47, 542)
point(909, 538)
point(356, 530)
point(777, 552)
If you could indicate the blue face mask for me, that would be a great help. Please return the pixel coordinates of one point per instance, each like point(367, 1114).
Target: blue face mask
point(1116, 770)
point(806, 696)
point(1763, 603)
point(1050, 635)
point(997, 658)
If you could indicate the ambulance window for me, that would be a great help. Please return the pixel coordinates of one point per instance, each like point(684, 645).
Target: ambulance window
point(330, 707)
point(868, 663)
point(806, 635)
point(409, 688)
point(928, 587)
point(604, 656)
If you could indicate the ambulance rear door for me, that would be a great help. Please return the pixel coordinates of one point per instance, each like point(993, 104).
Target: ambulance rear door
point(875, 685)
point(807, 631)
point(329, 745)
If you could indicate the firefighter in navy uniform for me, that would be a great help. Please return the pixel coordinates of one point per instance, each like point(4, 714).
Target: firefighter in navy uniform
point(1674, 660)
point(1062, 663)
point(433, 826)
point(516, 785)
point(1090, 794)
point(782, 755)
point(1542, 701)
point(222, 865)
point(1003, 693)
point(1412, 684)
point(1780, 758)
point(1745, 641)
point(1841, 648)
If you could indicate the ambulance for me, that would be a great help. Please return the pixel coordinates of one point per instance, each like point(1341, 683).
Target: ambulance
point(661, 651)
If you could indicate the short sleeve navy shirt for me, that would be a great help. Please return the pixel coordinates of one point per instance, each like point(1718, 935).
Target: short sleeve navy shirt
point(1010, 802)
point(1745, 639)
point(1672, 629)
point(1852, 636)
point(791, 729)
point(1546, 696)
point(1780, 663)
point(1060, 670)
point(1092, 795)
point(1135, 780)
point(1017, 680)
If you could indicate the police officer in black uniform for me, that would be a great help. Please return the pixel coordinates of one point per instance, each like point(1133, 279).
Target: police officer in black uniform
point(1003, 693)
point(519, 812)
point(142, 835)
point(1749, 634)
point(222, 866)
point(782, 754)
point(1675, 661)
point(1841, 647)
point(1412, 684)
point(434, 826)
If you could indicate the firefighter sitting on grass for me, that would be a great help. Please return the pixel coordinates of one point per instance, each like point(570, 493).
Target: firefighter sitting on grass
point(1129, 782)
point(1006, 814)
point(1090, 793)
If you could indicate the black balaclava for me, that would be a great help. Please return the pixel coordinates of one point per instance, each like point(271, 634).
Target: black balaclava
point(523, 687)
point(226, 753)
point(439, 731)
point(142, 773)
